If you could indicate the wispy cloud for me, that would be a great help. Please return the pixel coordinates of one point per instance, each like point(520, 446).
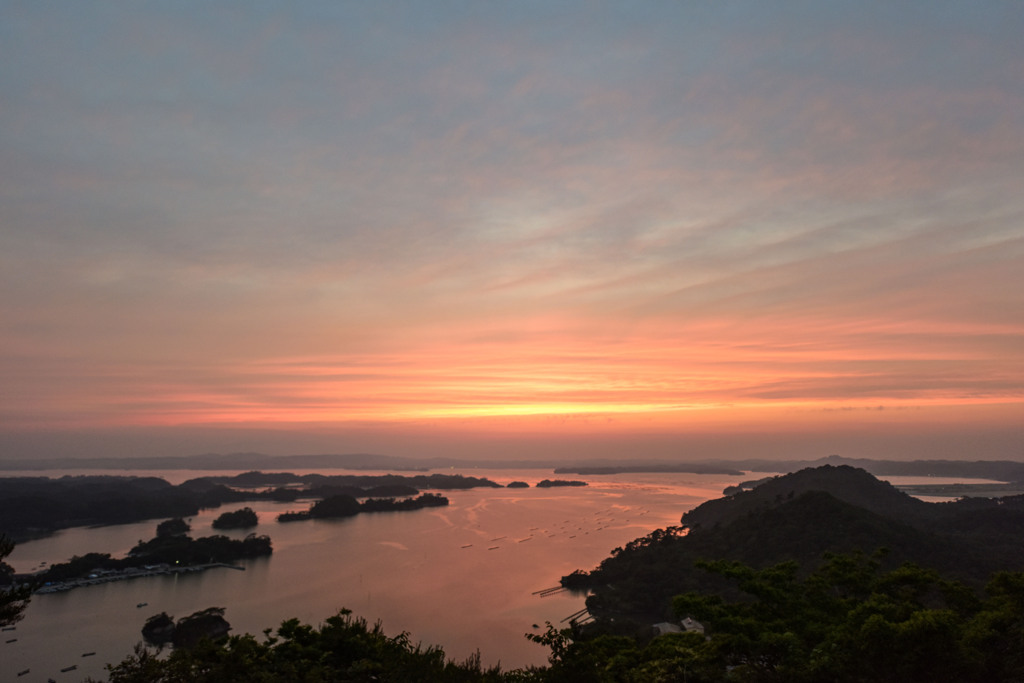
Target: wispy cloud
point(397, 214)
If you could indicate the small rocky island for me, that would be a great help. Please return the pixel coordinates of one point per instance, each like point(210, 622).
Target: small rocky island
point(244, 518)
point(548, 483)
point(161, 629)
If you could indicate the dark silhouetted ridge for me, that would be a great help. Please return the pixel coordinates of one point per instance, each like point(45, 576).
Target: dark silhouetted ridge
point(848, 484)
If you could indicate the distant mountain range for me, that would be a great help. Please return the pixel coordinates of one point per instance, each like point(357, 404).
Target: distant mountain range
point(1000, 470)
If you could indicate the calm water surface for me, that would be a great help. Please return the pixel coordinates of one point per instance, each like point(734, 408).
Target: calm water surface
point(463, 577)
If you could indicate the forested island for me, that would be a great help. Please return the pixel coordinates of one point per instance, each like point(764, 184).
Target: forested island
point(243, 518)
point(164, 553)
point(314, 481)
point(186, 632)
point(32, 507)
point(339, 506)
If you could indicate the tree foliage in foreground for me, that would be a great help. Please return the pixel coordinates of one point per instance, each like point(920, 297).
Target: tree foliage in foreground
point(13, 601)
point(848, 621)
point(345, 648)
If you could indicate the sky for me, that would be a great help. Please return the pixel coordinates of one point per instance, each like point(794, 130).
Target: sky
point(540, 229)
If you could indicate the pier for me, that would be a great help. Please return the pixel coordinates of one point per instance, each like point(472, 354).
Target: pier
point(130, 573)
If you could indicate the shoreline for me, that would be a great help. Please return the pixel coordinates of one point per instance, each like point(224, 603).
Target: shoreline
point(130, 573)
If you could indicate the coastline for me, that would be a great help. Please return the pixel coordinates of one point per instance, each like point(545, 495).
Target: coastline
point(128, 573)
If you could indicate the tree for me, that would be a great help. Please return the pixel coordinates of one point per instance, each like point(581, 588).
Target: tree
point(342, 649)
point(13, 599)
point(846, 621)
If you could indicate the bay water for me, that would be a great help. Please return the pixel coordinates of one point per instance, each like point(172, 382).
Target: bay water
point(463, 577)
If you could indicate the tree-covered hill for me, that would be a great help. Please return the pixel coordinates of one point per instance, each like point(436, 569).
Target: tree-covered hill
point(849, 484)
point(800, 517)
point(35, 506)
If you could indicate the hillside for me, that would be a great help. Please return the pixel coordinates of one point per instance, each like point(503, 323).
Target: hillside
point(848, 484)
point(801, 517)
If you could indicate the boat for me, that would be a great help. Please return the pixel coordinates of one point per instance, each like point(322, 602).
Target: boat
point(69, 668)
point(142, 604)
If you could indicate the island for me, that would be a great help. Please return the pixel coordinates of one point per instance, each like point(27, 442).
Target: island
point(339, 506)
point(187, 632)
point(34, 507)
point(243, 518)
point(162, 555)
point(548, 483)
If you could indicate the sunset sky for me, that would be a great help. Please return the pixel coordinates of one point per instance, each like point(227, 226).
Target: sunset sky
point(663, 229)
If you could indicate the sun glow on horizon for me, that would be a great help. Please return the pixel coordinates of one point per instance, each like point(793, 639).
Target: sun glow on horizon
point(643, 389)
point(512, 221)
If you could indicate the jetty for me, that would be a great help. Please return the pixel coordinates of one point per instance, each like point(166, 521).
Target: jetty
point(101, 577)
point(579, 618)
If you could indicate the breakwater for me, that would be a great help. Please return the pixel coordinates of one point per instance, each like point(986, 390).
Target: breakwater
point(97, 578)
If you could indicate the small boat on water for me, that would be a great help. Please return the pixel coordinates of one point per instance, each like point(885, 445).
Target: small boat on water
point(142, 604)
point(22, 673)
point(69, 668)
point(88, 654)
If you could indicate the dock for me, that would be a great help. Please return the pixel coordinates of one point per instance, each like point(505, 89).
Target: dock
point(130, 573)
